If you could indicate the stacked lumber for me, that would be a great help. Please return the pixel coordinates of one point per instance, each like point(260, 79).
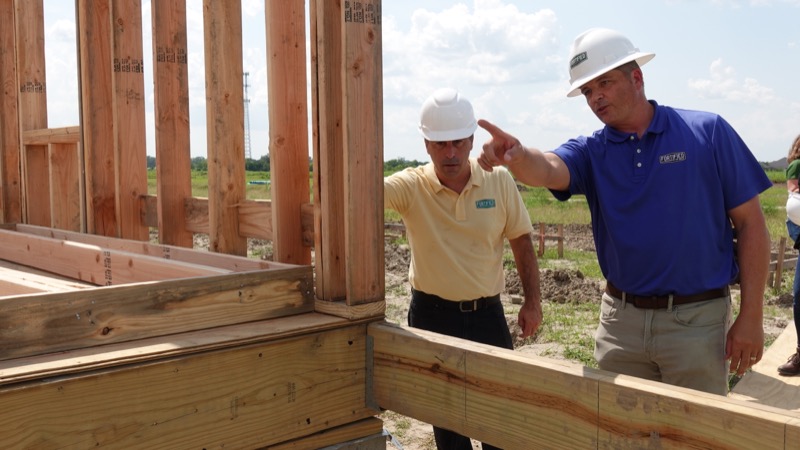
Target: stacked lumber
point(126, 344)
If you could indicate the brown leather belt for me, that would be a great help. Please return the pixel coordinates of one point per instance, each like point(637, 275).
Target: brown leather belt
point(662, 301)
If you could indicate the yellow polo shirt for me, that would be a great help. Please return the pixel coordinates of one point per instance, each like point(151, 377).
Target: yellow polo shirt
point(457, 240)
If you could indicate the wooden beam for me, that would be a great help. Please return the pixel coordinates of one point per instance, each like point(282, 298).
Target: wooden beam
point(763, 384)
point(69, 362)
point(32, 81)
point(363, 137)
point(93, 264)
point(33, 107)
point(254, 218)
point(46, 136)
point(173, 149)
point(335, 438)
point(513, 400)
point(225, 123)
point(10, 160)
point(38, 187)
point(66, 190)
point(128, 95)
point(288, 126)
point(99, 316)
point(16, 280)
point(242, 397)
point(329, 211)
point(97, 115)
point(172, 253)
point(351, 312)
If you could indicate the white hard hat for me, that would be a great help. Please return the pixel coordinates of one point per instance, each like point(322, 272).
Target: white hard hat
point(447, 116)
point(595, 52)
point(793, 207)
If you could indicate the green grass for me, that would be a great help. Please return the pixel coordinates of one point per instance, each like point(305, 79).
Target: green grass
point(199, 184)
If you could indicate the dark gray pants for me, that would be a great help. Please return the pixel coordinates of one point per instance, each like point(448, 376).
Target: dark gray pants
point(487, 326)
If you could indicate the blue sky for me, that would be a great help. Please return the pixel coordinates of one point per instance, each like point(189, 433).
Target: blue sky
point(736, 58)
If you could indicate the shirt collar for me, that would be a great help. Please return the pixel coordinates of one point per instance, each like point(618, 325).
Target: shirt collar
point(476, 178)
point(657, 126)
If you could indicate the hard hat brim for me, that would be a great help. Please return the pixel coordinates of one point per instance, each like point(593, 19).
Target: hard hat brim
point(449, 135)
point(640, 58)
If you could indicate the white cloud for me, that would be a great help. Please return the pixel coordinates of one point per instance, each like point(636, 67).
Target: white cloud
point(252, 8)
point(724, 84)
point(490, 43)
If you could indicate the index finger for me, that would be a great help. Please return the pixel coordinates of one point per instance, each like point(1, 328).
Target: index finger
point(493, 129)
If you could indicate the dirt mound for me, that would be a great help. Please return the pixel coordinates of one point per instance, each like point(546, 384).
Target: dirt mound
point(557, 285)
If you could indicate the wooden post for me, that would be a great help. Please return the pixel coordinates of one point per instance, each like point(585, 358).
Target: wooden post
point(32, 85)
point(225, 123)
point(129, 127)
point(10, 172)
point(326, 81)
point(65, 195)
point(779, 263)
point(561, 240)
point(542, 229)
point(173, 154)
point(363, 147)
point(97, 114)
point(288, 126)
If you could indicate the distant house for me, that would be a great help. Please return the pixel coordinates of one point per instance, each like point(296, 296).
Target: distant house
point(775, 165)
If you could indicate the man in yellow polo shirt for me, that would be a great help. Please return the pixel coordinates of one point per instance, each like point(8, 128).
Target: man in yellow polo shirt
point(457, 217)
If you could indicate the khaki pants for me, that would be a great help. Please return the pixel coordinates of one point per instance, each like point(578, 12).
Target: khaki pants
point(682, 346)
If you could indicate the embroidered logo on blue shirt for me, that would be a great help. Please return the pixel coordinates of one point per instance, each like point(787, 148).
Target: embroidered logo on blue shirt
point(672, 158)
point(485, 203)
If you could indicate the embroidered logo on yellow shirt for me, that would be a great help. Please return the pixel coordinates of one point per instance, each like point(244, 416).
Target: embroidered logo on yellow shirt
point(485, 203)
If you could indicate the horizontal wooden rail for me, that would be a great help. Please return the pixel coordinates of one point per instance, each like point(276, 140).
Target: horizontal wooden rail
point(66, 135)
point(170, 252)
point(513, 400)
point(86, 318)
point(255, 217)
point(241, 396)
point(94, 264)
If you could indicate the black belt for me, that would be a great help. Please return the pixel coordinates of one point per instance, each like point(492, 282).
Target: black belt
point(662, 301)
point(434, 301)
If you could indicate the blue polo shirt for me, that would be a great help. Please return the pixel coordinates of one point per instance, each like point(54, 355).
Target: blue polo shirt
point(659, 204)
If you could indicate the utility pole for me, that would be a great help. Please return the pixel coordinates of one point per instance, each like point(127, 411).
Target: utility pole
point(247, 153)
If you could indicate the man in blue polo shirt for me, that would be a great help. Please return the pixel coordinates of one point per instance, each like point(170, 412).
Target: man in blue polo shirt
point(666, 189)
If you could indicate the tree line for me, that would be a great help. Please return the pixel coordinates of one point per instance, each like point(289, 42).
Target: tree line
point(200, 163)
